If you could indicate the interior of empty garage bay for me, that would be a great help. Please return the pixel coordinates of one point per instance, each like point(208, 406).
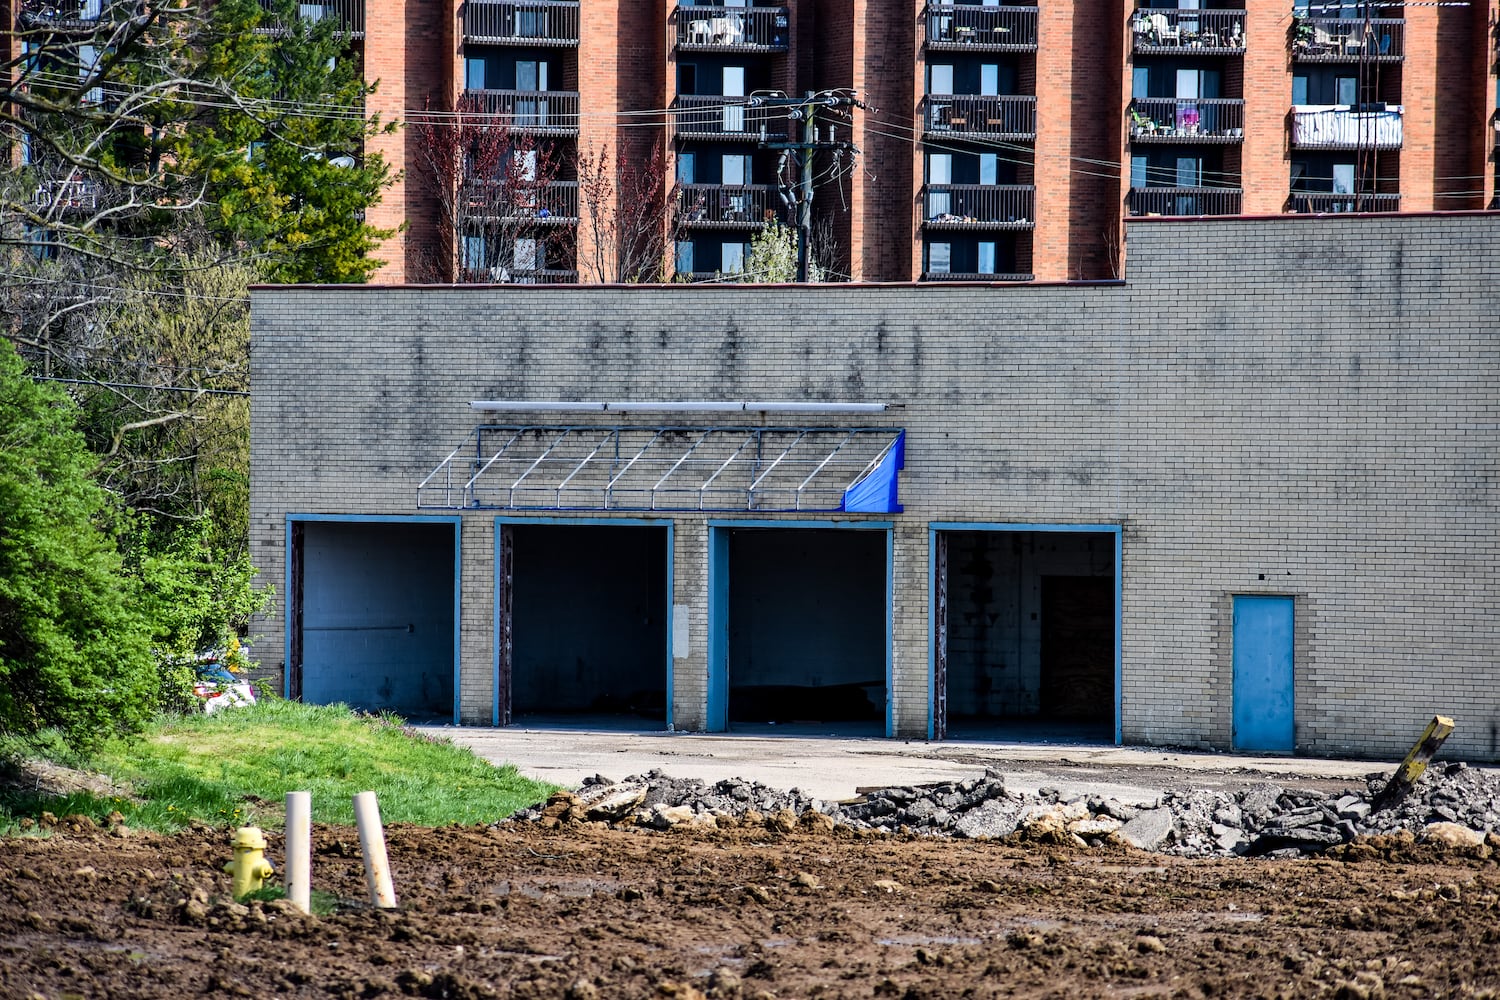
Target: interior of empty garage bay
point(373, 609)
point(583, 625)
point(801, 622)
point(1026, 629)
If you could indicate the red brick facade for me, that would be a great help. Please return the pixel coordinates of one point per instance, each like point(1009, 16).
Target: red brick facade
point(1077, 175)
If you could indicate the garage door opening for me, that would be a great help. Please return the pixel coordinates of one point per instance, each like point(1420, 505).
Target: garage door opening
point(584, 625)
point(373, 615)
point(1026, 635)
point(806, 637)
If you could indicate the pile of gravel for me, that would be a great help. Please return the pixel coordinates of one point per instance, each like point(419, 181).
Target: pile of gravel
point(1452, 803)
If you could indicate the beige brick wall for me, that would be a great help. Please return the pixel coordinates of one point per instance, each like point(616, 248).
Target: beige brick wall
point(1286, 406)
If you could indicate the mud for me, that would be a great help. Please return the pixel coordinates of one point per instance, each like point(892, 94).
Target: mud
point(585, 911)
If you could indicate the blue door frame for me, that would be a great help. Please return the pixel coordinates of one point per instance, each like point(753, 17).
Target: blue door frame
point(611, 522)
point(1263, 696)
point(934, 527)
point(458, 564)
point(718, 608)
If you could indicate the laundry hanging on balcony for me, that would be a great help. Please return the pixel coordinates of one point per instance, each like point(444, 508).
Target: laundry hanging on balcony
point(657, 468)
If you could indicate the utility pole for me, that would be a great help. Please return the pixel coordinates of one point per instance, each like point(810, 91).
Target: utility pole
point(804, 109)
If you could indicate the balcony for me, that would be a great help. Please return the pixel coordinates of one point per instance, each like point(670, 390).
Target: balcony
point(68, 16)
point(732, 29)
point(711, 116)
point(1364, 126)
point(507, 276)
point(1184, 201)
point(1346, 40)
point(540, 23)
point(66, 197)
point(973, 276)
point(552, 204)
point(1321, 202)
point(978, 206)
point(955, 27)
point(961, 115)
point(1212, 120)
point(1165, 32)
point(348, 14)
point(530, 112)
point(726, 206)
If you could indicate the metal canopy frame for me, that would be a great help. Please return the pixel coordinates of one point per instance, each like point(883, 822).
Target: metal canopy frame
point(712, 469)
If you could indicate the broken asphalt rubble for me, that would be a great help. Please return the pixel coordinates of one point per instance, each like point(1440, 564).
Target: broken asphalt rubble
point(1454, 805)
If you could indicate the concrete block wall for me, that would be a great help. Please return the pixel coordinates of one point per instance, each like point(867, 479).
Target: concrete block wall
point(1286, 406)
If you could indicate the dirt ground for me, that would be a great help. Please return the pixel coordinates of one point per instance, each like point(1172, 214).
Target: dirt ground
point(590, 912)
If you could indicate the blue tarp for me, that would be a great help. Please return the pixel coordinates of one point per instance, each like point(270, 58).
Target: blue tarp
point(877, 492)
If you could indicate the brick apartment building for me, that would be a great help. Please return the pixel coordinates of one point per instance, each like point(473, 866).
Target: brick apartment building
point(1000, 141)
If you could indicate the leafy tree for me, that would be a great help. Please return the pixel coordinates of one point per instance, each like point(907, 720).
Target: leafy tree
point(151, 128)
point(773, 256)
point(75, 649)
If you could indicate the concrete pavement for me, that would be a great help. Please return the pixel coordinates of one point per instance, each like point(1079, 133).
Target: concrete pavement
point(834, 768)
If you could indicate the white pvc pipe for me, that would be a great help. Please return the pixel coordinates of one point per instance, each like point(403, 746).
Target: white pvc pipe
point(372, 846)
point(299, 849)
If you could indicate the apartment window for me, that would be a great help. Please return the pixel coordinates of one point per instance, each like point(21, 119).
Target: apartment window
point(986, 256)
point(734, 86)
point(686, 168)
point(684, 257)
point(736, 169)
point(528, 255)
point(474, 74)
point(310, 11)
point(989, 80)
point(473, 253)
point(989, 168)
point(732, 260)
point(1343, 178)
point(531, 74)
point(1137, 171)
point(939, 79)
point(1347, 88)
point(939, 171)
point(939, 257)
point(1189, 171)
point(1299, 90)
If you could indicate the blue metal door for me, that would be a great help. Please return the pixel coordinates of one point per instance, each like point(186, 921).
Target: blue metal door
point(1263, 673)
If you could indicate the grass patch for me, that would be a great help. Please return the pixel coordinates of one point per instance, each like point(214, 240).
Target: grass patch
point(235, 767)
point(320, 903)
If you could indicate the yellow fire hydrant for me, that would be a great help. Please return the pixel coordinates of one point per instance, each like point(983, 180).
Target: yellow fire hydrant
point(249, 866)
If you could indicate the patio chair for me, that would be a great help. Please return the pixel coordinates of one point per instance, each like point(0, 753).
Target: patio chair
point(1163, 31)
point(1142, 125)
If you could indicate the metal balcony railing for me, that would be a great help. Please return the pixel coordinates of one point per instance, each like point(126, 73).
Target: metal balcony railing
point(520, 22)
point(979, 206)
point(973, 276)
point(1219, 120)
point(1160, 31)
point(1365, 126)
point(733, 29)
point(67, 15)
point(1012, 116)
point(710, 116)
point(511, 276)
point(1347, 39)
point(1307, 202)
point(348, 14)
point(66, 196)
point(954, 27)
point(1184, 201)
point(532, 112)
point(726, 206)
point(553, 204)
